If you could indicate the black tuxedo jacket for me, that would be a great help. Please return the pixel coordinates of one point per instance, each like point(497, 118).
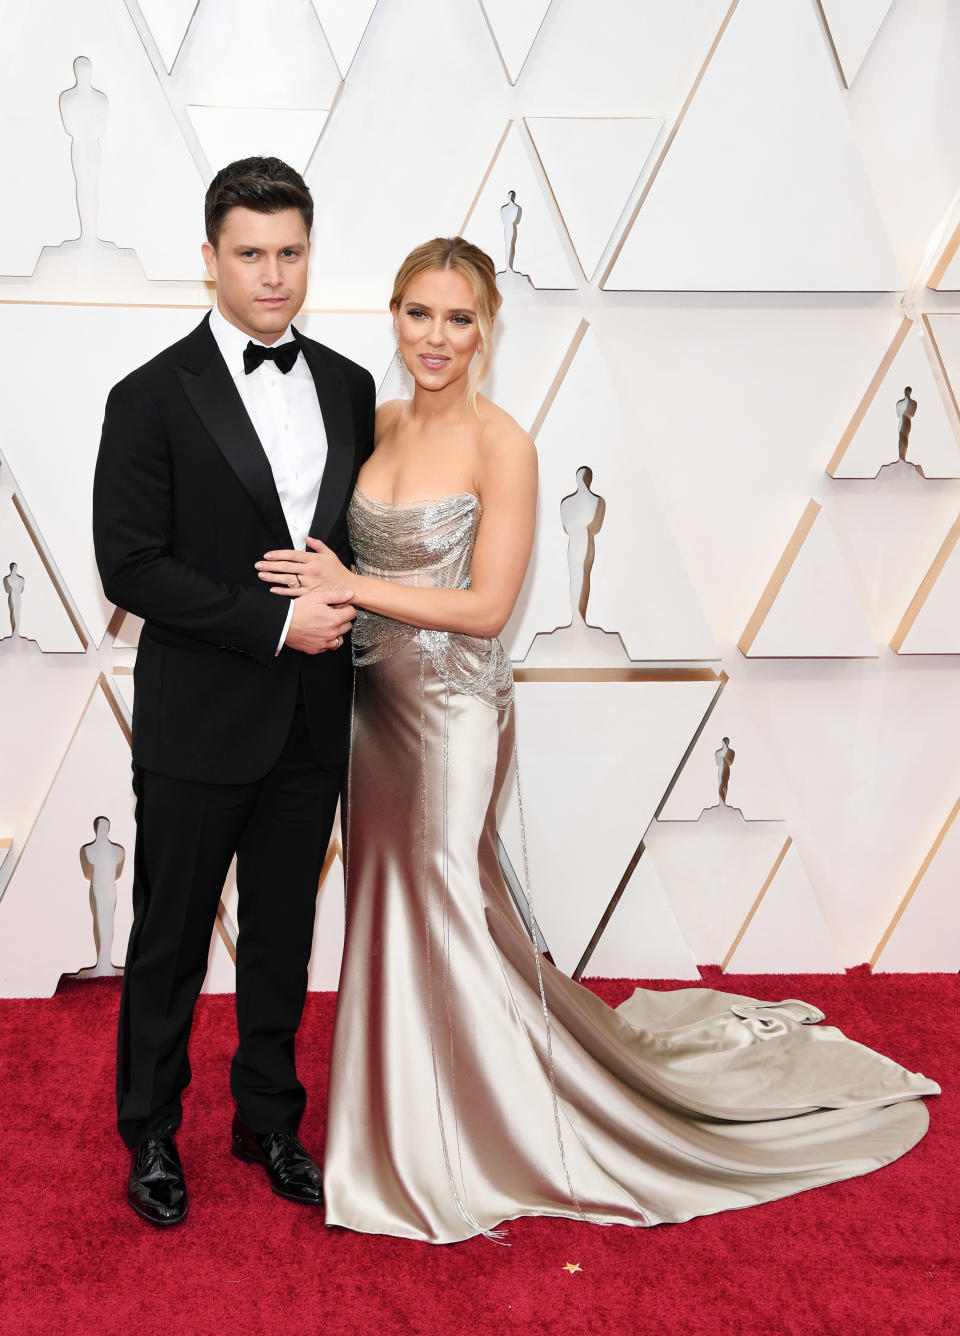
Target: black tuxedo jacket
point(184, 503)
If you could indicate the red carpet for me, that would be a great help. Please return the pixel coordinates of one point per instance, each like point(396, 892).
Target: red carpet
point(875, 1255)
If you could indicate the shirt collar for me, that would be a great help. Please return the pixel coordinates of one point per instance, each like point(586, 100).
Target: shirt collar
point(232, 341)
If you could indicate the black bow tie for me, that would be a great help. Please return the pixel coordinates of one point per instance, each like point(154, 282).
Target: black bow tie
point(284, 356)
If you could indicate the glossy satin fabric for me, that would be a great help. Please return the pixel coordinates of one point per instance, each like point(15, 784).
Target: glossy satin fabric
point(446, 1114)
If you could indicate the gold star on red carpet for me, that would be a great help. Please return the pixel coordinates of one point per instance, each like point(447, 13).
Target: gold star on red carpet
point(572, 1267)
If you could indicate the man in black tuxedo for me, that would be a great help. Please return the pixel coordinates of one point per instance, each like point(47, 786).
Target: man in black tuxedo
point(243, 437)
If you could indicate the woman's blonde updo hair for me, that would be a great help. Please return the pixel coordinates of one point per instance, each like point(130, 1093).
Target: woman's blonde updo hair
point(478, 269)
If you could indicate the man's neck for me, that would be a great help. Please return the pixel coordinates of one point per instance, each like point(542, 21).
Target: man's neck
point(268, 340)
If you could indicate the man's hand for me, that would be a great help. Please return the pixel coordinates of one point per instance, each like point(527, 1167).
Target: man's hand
point(317, 626)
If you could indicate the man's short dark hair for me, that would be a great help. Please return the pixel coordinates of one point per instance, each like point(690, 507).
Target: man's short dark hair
point(266, 185)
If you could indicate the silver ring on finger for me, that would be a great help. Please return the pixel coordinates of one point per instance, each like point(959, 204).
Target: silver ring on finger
point(299, 584)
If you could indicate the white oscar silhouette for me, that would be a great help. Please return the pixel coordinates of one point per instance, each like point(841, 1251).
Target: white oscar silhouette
point(84, 111)
point(906, 410)
point(578, 643)
point(724, 758)
point(102, 862)
point(510, 215)
point(13, 584)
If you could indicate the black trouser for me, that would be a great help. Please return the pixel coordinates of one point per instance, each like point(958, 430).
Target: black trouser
point(187, 833)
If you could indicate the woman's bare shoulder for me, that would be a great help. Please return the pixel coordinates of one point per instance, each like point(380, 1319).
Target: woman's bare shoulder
point(500, 433)
point(387, 417)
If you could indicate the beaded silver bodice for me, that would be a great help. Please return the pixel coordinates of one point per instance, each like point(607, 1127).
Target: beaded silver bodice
point(428, 544)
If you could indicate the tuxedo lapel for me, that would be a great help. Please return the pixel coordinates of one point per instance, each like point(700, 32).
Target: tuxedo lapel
point(338, 472)
point(208, 385)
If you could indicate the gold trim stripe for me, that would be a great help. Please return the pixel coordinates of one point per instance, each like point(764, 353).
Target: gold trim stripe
point(780, 573)
point(640, 673)
point(756, 904)
point(926, 585)
point(52, 573)
point(946, 259)
point(878, 377)
point(911, 890)
point(667, 145)
point(564, 367)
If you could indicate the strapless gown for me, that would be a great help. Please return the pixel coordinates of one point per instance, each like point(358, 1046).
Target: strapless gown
point(471, 1082)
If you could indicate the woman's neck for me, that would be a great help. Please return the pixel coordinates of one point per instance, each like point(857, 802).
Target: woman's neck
point(434, 408)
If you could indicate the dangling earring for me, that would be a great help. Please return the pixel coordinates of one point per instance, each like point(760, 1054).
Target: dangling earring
point(399, 356)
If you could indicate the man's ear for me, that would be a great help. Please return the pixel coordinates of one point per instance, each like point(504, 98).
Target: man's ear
point(209, 259)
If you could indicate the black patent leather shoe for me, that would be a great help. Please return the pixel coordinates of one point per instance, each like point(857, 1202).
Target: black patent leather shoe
point(156, 1189)
point(292, 1173)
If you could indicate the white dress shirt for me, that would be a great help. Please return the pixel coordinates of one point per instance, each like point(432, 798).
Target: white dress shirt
point(285, 413)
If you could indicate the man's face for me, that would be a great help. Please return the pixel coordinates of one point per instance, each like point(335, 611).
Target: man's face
point(260, 268)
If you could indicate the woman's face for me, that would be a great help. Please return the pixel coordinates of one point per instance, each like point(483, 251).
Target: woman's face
point(437, 329)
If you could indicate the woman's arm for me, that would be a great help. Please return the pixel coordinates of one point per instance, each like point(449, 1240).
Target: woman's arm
point(507, 484)
point(508, 492)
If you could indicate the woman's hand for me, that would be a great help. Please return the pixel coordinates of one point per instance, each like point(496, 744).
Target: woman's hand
point(318, 571)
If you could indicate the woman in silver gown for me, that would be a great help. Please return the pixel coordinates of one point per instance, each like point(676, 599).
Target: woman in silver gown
point(471, 1082)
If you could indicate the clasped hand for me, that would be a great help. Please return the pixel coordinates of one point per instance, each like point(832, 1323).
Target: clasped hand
point(320, 584)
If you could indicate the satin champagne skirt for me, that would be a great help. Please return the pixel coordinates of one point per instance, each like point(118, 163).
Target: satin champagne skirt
point(457, 1100)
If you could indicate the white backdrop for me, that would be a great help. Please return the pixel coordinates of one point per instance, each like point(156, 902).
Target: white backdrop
point(737, 246)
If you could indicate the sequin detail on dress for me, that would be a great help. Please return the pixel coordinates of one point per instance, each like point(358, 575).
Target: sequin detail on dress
point(428, 544)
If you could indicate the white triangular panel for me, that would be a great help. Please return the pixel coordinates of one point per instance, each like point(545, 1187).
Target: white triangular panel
point(926, 938)
point(515, 24)
point(764, 187)
point(168, 21)
point(43, 614)
point(713, 870)
point(542, 250)
point(46, 923)
point(228, 133)
point(816, 611)
point(642, 939)
point(595, 759)
point(787, 933)
point(756, 786)
point(891, 531)
point(853, 26)
point(60, 495)
point(234, 57)
point(620, 57)
point(639, 585)
point(364, 338)
point(139, 154)
point(931, 625)
point(518, 382)
point(932, 443)
point(324, 973)
point(128, 634)
point(344, 26)
point(592, 164)
point(367, 216)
